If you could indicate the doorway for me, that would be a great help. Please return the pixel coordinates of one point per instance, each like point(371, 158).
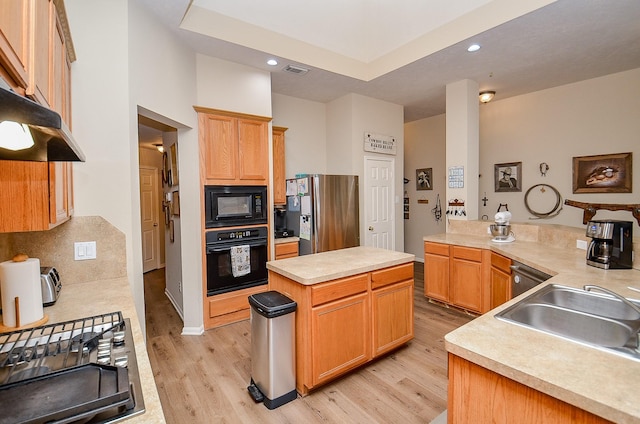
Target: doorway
point(378, 202)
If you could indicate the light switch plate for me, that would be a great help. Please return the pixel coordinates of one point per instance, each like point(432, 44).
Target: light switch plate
point(581, 244)
point(84, 250)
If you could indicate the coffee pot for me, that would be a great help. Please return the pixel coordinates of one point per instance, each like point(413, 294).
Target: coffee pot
point(611, 244)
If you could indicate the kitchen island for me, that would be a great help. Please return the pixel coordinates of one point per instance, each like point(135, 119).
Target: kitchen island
point(353, 306)
point(79, 300)
point(527, 370)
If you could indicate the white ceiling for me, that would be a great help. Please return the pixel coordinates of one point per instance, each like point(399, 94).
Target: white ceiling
point(407, 51)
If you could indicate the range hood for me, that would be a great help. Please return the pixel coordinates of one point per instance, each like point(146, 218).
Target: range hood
point(52, 138)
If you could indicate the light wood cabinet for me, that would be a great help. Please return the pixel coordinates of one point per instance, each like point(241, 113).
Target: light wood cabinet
point(234, 147)
point(344, 323)
point(500, 279)
point(229, 307)
point(391, 308)
point(35, 53)
point(509, 401)
point(15, 39)
point(340, 337)
point(286, 250)
point(457, 275)
point(436, 271)
point(466, 284)
point(279, 181)
point(35, 196)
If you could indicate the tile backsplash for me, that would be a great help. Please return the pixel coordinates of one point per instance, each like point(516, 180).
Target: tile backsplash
point(56, 248)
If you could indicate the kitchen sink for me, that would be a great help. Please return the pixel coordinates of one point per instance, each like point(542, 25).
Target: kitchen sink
point(599, 320)
point(584, 301)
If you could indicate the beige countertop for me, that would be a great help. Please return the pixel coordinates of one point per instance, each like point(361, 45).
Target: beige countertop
point(326, 266)
point(81, 300)
point(602, 383)
point(286, 240)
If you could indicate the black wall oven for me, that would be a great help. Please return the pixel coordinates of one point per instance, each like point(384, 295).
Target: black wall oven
point(236, 259)
point(231, 206)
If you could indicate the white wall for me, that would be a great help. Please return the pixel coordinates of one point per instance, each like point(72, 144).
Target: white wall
point(593, 117)
point(597, 116)
point(305, 150)
point(425, 145)
point(120, 68)
point(230, 86)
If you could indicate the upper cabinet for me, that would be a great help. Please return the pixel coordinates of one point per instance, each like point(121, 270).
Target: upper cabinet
point(234, 147)
point(15, 39)
point(36, 51)
point(279, 183)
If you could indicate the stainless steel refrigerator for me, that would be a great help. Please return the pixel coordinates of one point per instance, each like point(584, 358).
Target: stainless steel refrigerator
point(323, 211)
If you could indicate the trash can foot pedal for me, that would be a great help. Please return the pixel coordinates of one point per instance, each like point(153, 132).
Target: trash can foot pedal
point(255, 393)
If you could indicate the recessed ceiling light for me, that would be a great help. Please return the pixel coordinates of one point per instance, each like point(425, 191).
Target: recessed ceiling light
point(272, 62)
point(473, 48)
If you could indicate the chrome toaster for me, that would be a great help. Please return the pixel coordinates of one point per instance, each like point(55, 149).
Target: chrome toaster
point(51, 285)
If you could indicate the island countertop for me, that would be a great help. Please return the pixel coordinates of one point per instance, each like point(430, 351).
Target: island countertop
point(326, 266)
point(602, 383)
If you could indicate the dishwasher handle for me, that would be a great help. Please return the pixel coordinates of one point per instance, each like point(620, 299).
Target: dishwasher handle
point(534, 274)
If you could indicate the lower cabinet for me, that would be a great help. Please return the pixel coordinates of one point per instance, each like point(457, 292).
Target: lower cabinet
point(344, 323)
point(286, 250)
point(229, 307)
point(436, 271)
point(457, 275)
point(479, 395)
point(340, 337)
point(500, 279)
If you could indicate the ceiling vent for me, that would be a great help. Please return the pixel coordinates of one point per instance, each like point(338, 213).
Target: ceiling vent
point(296, 69)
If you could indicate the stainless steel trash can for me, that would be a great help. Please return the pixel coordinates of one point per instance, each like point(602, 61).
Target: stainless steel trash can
point(273, 359)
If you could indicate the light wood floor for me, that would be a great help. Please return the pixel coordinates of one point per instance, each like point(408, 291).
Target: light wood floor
point(203, 379)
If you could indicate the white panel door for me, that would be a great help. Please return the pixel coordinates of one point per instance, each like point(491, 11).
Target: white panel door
point(378, 201)
point(149, 219)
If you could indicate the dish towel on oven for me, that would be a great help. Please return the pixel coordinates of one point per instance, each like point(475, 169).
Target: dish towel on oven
point(240, 260)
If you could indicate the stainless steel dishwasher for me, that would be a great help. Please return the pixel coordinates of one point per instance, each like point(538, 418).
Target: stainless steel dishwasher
point(524, 278)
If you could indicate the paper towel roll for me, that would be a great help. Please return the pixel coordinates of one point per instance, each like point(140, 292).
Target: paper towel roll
point(21, 280)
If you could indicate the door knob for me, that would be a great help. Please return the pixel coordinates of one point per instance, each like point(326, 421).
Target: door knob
point(155, 224)
point(370, 228)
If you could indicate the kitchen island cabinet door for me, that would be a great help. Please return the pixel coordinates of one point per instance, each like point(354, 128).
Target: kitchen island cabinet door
point(392, 308)
point(436, 271)
point(340, 337)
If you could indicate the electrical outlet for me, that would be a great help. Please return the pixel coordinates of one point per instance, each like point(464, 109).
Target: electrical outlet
point(581, 244)
point(84, 250)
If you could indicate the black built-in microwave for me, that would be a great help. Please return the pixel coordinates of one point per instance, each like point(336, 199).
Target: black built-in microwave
point(230, 206)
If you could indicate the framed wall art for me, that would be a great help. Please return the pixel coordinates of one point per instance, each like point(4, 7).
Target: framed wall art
point(424, 179)
point(508, 176)
point(602, 173)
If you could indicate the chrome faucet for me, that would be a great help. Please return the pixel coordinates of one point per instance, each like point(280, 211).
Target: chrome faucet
point(623, 299)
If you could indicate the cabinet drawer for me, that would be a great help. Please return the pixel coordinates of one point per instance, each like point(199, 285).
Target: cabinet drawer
point(436, 248)
point(287, 249)
point(391, 275)
point(468, 253)
point(500, 262)
point(337, 289)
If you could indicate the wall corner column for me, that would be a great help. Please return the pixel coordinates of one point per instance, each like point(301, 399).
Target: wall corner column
point(463, 143)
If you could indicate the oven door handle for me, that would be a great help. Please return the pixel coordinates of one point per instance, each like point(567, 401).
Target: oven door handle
point(228, 246)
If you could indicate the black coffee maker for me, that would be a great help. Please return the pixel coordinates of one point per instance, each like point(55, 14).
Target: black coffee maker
point(611, 246)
